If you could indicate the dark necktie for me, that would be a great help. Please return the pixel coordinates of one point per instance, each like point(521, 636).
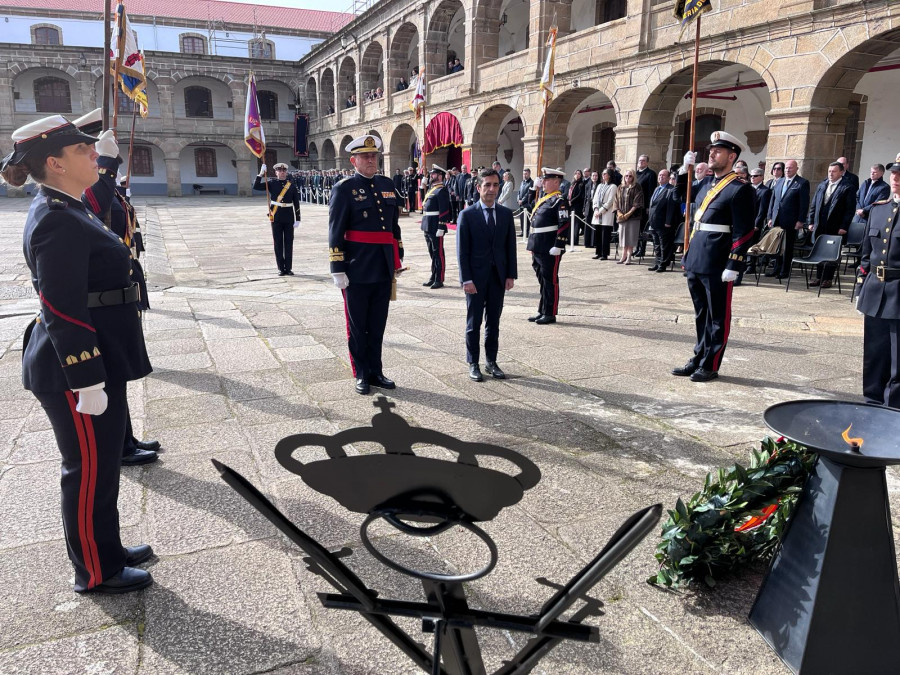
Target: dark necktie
point(656, 194)
point(490, 221)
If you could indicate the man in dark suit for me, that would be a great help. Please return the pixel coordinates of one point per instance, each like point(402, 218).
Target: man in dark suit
point(646, 178)
point(525, 197)
point(787, 210)
point(830, 213)
point(848, 177)
point(664, 214)
point(874, 189)
point(486, 250)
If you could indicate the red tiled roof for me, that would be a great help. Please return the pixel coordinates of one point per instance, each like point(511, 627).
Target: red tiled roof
point(203, 10)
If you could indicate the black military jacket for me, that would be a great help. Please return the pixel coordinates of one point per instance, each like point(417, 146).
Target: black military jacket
point(714, 252)
point(71, 253)
point(880, 252)
point(437, 203)
point(366, 206)
point(551, 212)
point(281, 214)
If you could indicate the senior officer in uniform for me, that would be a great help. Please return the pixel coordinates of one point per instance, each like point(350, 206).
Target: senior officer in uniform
point(879, 299)
point(547, 242)
point(79, 352)
point(435, 216)
point(284, 214)
point(723, 227)
point(110, 205)
point(365, 251)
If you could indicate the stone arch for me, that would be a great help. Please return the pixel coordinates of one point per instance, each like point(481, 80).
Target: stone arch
point(371, 67)
point(400, 147)
point(499, 30)
point(201, 167)
point(446, 37)
point(326, 99)
point(285, 97)
point(328, 154)
point(404, 53)
point(313, 159)
point(221, 96)
point(342, 153)
point(498, 129)
point(23, 87)
point(310, 102)
point(346, 85)
point(568, 132)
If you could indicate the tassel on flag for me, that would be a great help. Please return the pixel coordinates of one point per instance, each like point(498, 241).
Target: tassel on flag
point(418, 102)
point(130, 59)
point(254, 136)
point(688, 10)
point(547, 79)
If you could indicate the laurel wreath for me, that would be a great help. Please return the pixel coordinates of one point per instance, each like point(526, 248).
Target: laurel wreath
point(737, 518)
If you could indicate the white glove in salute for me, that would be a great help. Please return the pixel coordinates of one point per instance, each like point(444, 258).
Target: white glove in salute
point(106, 145)
point(690, 159)
point(262, 170)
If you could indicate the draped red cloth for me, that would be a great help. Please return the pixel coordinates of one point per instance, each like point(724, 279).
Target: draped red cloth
point(442, 130)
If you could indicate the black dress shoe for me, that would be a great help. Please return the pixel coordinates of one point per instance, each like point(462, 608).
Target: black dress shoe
point(362, 385)
point(128, 579)
point(429, 282)
point(653, 269)
point(147, 445)
point(491, 368)
point(139, 457)
point(290, 273)
point(661, 269)
point(703, 375)
point(381, 381)
point(685, 370)
point(595, 257)
point(534, 318)
point(475, 373)
point(437, 284)
point(135, 555)
point(282, 273)
point(547, 318)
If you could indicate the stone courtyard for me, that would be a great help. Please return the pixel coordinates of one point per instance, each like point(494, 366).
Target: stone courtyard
point(243, 358)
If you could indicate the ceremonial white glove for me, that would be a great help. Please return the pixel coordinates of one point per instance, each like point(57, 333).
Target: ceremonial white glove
point(341, 280)
point(106, 145)
point(92, 400)
point(441, 233)
point(296, 223)
point(729, 275)
point(262, 170)
point(690, 158)
point(128, 192)
point(555, 251)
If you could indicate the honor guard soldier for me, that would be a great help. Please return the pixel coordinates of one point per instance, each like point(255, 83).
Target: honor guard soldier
point(547, 243)
point(721, 234)
point(366, 253)
point(83, 347)
point(109, 203)
point(284, 214)
point(435, 216)
point(879, 299)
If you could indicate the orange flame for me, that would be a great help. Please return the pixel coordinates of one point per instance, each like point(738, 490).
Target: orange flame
point(851, 441)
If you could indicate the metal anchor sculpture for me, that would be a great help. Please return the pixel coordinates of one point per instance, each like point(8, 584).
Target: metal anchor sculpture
point(423, 496)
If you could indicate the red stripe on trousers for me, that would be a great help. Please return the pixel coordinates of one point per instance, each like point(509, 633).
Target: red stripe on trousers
point(556, 284)
point(86, 550)
point(347, 322)
point(717, 359)
point(92, 489)
point(441, 257)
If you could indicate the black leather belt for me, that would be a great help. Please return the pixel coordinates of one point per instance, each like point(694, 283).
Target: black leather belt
point(117, 296)
point(883, 273)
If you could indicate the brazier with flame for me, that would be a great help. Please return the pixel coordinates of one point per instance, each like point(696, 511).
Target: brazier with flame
point(830, 602)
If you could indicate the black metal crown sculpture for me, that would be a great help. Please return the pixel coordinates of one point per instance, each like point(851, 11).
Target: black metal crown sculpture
point(424, 496)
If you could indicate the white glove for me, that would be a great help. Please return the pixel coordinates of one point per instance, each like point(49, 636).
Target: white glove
point(128, 192)
point(341, 280)
point(92, 400)
point(296, 224)
point(555, 251)
point(262, 170)
point(729, 275)
point(106, 145)
point(441, 233)
point(690, 158)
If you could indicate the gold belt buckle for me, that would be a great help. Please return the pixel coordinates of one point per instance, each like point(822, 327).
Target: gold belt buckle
point(879, 273)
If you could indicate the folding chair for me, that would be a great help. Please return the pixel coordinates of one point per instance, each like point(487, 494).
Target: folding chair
point(826, 249)
point(852, 248)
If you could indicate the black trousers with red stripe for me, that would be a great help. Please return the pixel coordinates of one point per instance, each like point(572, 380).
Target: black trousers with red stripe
point(366, 309)
point(546, 267)
point(438, 261)
point(712, 318)
point(91, 449)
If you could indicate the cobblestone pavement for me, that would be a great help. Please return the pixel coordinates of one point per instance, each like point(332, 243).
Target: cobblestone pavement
point(243, 358)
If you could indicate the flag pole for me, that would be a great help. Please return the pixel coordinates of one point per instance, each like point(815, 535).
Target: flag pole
point(131, 145)
point(120, 47)
point(543, 128)
point(251, 88)
point(690, 173)
point(424, 158)
point(107, 41)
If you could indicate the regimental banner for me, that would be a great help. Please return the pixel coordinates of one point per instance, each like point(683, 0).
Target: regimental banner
point(130, 59)
point(418, 102)
point(688, 10)
point(548, 87)
point(254, 136)
point(301, 130)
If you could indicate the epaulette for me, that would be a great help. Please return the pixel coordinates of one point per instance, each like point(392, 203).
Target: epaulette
point(57, 204)
point(343, 180)
point(883, 201)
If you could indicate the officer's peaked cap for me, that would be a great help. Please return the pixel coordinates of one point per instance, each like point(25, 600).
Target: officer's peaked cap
point(46, 135)
point(361, 144)
point(92, 123)
point(720, 139)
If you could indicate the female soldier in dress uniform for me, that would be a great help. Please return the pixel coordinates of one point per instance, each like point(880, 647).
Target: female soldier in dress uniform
point(79, 353)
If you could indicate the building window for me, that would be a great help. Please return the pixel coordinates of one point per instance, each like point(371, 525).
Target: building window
point(193, 44)
point(205, 163)
point(142, 161)
point(198, 102)
point(610, 10)
point(46, 35)
point(51, 95)
point(271, 160)
point(706, 125)
point(603, 145)
point(125, 104)
point(268, 104)
point(262, 49)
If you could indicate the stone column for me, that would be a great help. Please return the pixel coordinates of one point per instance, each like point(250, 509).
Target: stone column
point(390, 83)
point(173, 176)
point(811, 135)
point(166, 106)
point(246, 168)
point(554, 152)
point(540, 19)
point(642, 139)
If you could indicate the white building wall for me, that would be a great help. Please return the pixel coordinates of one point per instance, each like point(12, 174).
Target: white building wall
point(227, 177)
point(881, 135)
point(580, 136)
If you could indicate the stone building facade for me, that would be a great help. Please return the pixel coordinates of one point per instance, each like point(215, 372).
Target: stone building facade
point(803, 79)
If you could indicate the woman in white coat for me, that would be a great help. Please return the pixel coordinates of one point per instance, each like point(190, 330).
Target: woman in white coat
point(604, 216)
point(508, 197)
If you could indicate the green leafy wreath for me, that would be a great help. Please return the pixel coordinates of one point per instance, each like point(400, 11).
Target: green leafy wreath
point(737, 518)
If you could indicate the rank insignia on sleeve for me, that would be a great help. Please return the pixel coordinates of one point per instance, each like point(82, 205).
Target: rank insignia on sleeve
point(387, 195)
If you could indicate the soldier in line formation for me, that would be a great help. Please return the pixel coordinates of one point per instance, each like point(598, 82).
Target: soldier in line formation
point(436, 214)
point(283, 212)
